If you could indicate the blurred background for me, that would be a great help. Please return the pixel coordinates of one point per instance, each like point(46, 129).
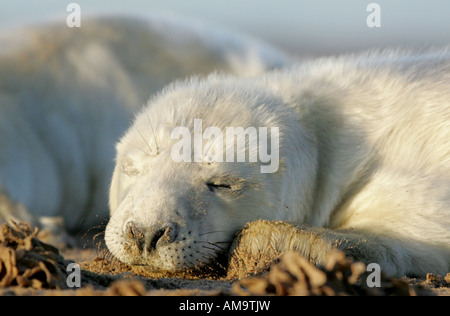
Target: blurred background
point(304, 28)
point(117, 71)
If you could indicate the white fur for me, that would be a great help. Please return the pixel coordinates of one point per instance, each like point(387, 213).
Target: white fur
point(364, 153)
point(67, 95)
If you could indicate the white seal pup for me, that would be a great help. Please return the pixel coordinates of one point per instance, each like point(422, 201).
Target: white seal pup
point(364, 165)
point(67, 95)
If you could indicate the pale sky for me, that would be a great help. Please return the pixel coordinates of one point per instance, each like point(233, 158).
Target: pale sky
point(304, 27)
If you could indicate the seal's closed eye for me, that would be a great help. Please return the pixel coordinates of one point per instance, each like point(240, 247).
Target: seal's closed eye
point(225, 183)
point(214, 187)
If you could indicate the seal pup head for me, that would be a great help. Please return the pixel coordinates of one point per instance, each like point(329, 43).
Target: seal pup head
point(173, 215)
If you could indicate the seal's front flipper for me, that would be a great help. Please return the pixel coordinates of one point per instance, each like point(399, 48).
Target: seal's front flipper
point(261, 243)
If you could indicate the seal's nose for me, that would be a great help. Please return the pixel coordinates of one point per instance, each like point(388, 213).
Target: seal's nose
point(150, 238)
point(161, 237)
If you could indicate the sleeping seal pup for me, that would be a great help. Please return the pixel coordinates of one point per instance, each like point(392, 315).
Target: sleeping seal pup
point(363, 164)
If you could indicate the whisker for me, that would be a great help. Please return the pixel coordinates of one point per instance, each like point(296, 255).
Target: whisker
point(209, 248)
point(217, 231)
point(142, 136)
point(210, 243)
point(91, 235)
point(207, 255)
point(215, 265)
point(154, 135)
point(137, 147)
point(217, 246)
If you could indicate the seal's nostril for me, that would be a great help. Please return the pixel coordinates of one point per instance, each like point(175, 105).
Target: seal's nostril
point(130, 230)
point(155, 238)
point(162, 236)
point(135, 234)
point(149, 237)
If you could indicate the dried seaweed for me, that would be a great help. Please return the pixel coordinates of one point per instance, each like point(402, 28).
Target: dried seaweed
point(27, 262)
point(294, 275)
